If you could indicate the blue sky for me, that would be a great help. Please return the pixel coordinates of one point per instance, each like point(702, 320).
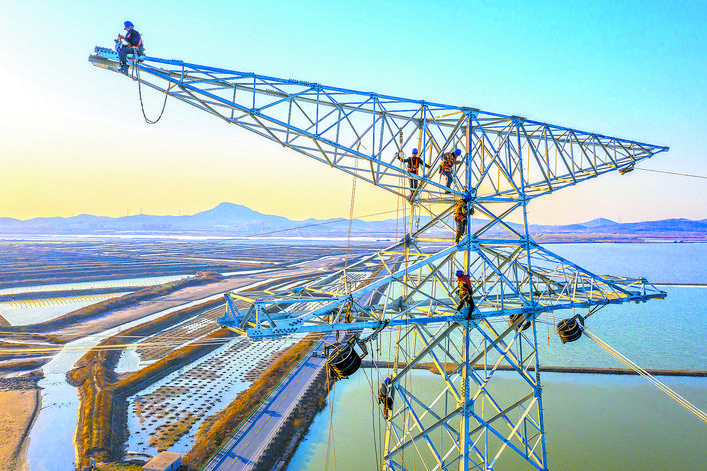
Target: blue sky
point(73, 140)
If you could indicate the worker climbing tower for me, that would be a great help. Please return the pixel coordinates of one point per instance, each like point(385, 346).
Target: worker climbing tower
point(468, 416)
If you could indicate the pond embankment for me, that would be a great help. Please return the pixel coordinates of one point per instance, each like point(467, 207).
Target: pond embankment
point(20, 401)
point(99, 386)
point(216, 430)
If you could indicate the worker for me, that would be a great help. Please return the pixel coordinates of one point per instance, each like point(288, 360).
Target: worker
point(449, 160)
point(413, 164)
point(462, 210)
point(134, 46)
point(385, 396)
point(465, 290)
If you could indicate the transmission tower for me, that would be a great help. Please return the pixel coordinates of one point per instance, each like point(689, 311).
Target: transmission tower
point(468, 420)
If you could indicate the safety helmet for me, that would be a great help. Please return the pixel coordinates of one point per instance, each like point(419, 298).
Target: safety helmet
point(460, 273)
point(128, 23)
point(458, 152)
point(387, 381)
point(414, 151)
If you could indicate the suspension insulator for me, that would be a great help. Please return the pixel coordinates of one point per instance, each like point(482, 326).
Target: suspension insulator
point(343, 361)
point(522, 326)
point(570, 329)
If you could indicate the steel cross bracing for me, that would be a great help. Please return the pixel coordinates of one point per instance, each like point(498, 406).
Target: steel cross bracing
point(467, 417)
point(511, 158)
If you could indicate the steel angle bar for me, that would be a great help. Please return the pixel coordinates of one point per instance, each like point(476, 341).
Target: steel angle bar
point(418, 422)
point(614, 283)
point(534, 460)
point(212, 79)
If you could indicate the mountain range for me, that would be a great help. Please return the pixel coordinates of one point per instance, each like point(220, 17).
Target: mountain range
point(237, 220)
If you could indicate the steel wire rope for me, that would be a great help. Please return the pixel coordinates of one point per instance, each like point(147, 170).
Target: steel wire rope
point(373, 412)
point(673, 173)
point(347, 286)
point(142, 105)
point(330, 440)
point(651, 379)
point(400, 203)
point(374, 427)
point(333, 221)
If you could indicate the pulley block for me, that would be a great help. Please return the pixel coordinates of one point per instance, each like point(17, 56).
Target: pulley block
point(343, 361)
point(570, 329)
point(522, 326)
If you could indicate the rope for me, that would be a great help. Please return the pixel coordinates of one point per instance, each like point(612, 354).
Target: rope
point(142, 105)
point(672, 173)
point(318, 224)
point(651, 379)
point(373, 414)
point(348, 235)
point(330, 440)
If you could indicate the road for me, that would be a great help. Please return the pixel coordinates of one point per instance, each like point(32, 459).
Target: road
point(245, 447)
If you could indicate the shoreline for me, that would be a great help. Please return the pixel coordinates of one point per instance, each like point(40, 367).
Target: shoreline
point(100, 388)
point(20, 456)
point(17, 393)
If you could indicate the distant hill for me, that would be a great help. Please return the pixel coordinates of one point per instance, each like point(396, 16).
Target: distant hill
point(237, 220)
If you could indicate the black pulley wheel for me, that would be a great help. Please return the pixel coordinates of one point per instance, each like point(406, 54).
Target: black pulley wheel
point(569, 330)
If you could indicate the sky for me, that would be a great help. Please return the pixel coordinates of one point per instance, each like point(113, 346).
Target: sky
point(73, 139)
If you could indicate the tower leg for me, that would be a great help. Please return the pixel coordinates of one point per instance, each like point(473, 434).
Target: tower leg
point(467, 414)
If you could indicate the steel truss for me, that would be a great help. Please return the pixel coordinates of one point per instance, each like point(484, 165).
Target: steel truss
point(465, 422)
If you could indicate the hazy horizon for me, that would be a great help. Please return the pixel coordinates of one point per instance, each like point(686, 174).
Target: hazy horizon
point(74, 141)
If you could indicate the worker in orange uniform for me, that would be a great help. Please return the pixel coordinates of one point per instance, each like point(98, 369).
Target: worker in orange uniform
point(465, 290)
point(413, 164)
point(134, 46)
point(462, 210)
point(449, 160)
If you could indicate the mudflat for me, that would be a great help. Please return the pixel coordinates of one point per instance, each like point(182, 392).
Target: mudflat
point(17, 409)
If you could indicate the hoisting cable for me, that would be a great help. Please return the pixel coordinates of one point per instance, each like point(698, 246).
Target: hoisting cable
point(672, 173)
point(330, 439)
point(348, 235)
point(677, 397)
point(333, 221)
point(373, 415)
point(142, 105)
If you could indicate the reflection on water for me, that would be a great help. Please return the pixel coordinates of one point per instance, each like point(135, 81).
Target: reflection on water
point(647, 333)
point(592, 422)
point(41, 310)
point(144, 281)
point(658, 263)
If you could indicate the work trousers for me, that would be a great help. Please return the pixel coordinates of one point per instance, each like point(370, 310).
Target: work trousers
point(461, 229)
point(466, 299)
point(450, 177)
point(123, 53)
point(413, 182)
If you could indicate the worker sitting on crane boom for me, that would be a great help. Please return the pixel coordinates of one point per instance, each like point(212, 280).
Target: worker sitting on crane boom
point(134, 46)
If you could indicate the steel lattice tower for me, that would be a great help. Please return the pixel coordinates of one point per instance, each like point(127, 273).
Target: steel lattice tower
point(467, 421)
